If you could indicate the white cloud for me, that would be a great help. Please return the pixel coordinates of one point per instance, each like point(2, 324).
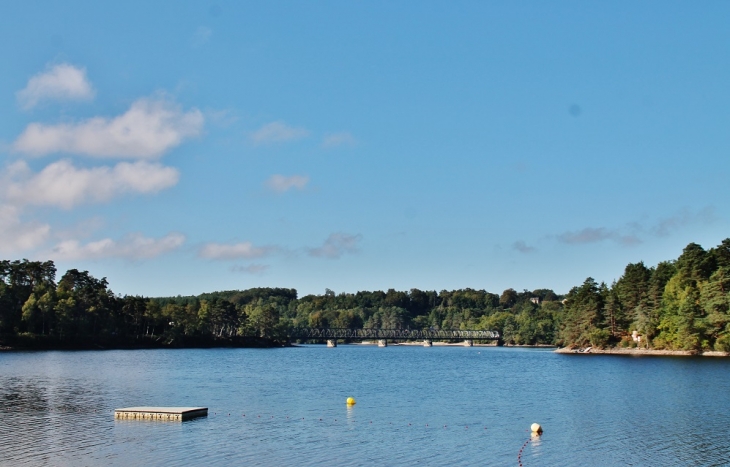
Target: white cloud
point(147, 130)
point(62, 82)
point(63, 185)
point(17, 236)
point(336, 245)
point(281, 184)
point(334, 140)
point(225, 251)
point(276, 132)
point(133, 246)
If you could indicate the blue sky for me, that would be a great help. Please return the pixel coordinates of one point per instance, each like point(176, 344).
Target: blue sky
point(184, 147)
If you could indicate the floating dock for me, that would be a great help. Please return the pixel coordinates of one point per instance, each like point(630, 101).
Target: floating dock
point(161, 413)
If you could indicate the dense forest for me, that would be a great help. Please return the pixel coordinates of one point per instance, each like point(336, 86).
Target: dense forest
point(682, 305)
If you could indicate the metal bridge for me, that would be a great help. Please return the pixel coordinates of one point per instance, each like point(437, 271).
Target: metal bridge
point(391, 334)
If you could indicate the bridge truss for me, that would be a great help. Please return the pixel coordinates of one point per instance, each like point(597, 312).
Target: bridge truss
point(391, 334)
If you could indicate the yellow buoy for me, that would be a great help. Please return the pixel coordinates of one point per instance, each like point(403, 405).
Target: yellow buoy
point(350, 401)
point(536, 428)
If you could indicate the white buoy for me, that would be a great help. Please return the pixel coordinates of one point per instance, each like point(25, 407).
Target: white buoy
point(536, 428)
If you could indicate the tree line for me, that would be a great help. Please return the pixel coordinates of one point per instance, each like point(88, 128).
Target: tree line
point(679, 304)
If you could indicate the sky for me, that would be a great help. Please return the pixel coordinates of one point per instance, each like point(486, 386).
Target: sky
point(184, 147)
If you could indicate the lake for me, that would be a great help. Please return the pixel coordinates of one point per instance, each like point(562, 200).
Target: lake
point(415, 406)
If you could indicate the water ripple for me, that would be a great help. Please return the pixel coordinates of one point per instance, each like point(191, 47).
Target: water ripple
point(437, 406)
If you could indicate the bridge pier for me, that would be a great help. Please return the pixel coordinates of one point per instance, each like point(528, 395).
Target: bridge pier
point(468, 343)
point(307, 334)
point(382, 343)
point(427, 343)
point(331, 342)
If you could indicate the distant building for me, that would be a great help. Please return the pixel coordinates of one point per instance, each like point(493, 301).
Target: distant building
point(535, 300)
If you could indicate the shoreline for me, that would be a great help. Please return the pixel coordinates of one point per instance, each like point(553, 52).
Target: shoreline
point(420, 344)
point(641, 352)
point(146, 344)
point(456, 344)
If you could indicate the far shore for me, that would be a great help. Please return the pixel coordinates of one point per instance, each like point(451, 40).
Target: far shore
point(641, 352)
point(457, 344)
point(420, 344)
point(43, 344)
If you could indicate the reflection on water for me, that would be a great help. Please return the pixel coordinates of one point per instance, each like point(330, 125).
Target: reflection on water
point(415, 406)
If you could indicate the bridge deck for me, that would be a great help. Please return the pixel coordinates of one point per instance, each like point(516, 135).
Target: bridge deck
point(391, 334)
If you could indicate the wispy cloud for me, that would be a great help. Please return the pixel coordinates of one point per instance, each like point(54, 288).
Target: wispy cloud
point(595, 235)
point(256, 269)
point(134, 247)
point(227, 251)
point(522, 247)
point(147, 130)
point(681, 219)
point(277, 132)
point(223, 118)
point(61, 82)
point(343, 138)
point(632, 233)
point(281, 184)
point(63, 185)
point(336, 245)
point(201, 36)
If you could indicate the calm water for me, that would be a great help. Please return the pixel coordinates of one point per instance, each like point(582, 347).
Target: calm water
point(415, 406)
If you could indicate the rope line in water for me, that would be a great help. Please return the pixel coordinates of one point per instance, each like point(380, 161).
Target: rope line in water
point(466, 427)
point(243, 415)
point(215, 413)
point(519, 454)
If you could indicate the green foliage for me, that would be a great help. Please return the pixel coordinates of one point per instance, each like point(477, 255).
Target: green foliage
point(81, 310)
point(263, 319)
point(508, 298)
point(677, 305)
point(629, 296)
point(682, 304)
point(599, 337)
point(584, 308)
